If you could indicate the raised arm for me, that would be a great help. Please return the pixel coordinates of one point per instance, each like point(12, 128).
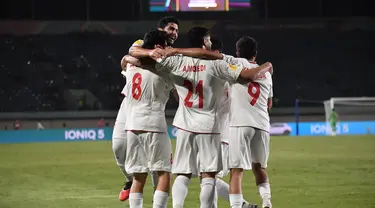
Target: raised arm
point(139, 52)
point(195, 52)
point(248, 75)
point(144, 63)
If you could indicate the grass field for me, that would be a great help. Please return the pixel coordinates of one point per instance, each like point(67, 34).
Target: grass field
point(305, 172)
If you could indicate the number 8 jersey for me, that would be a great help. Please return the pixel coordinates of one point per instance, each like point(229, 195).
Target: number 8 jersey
point(147, 95)
point(249, 101)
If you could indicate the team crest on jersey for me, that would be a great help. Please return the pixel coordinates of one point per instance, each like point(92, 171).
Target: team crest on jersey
point(233, 67)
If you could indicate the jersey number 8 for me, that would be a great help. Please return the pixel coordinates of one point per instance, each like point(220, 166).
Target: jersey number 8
point(136, 86)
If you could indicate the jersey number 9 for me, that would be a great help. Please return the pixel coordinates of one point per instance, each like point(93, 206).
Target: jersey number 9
point(254, 92)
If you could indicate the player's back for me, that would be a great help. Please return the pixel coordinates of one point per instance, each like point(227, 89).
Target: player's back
point(249, 102)
point(199, 87)
point(223, 114)
point(147, 95)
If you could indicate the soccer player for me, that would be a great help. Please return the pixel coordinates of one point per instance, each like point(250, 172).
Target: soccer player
point(333, 120)
point(119, 141)
point(249, 127)
point(170, 25)
point(149, 147)
point(223, 116)
point(199, 86)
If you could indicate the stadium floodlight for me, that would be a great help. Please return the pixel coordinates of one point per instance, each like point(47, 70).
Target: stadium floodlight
point(202, 3)
point(349, 109)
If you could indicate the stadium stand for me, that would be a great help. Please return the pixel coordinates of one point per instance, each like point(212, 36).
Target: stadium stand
point(80, 71)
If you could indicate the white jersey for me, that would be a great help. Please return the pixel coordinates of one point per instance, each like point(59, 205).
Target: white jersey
point(249, 102)
point(148, 94)
point(199, 84)
point(122, 114)
point(137, 43)
point(223, 115)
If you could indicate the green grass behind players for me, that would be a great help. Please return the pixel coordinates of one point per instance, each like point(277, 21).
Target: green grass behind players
point(305, 172)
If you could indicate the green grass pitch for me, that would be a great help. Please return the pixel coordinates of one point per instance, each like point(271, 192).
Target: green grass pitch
point(304, 171)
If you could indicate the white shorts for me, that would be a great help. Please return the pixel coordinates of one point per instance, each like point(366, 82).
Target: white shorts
point(119, 140)
point(247, 145)
point(147, 152)
point(225, 159)
point(121, 114)
point(197, 153)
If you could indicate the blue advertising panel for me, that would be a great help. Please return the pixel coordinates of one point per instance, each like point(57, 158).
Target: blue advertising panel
point(99, 134)
point(322, 128)
point(55, 135)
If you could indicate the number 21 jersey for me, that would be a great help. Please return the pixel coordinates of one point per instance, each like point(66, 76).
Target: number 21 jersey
point(249, 102)
point(199, 84)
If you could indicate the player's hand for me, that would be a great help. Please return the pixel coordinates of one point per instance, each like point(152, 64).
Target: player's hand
point(269, 67)
point(123, 63)
point(157, 53)
point(170, 52)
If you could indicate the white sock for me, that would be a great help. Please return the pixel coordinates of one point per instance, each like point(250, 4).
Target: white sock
point(154, 179)
point(160, 199)
point(222, 189)
point(236, 200)
point(264, 190)
point(135, 200)
point(180, 191)
point(208, 190)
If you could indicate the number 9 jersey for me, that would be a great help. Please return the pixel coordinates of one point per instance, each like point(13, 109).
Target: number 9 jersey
point(249, 101)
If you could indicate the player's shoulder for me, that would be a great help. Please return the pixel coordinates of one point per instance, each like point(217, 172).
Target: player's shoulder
point(138, 42)
point(251, 64)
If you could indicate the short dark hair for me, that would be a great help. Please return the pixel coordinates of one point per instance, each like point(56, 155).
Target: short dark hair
point(196, 36)
point(247, 47)
point(154, 37)
point(217, 44)
point(163, 22)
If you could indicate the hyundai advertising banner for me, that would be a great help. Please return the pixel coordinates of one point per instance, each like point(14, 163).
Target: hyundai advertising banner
point(99, 134)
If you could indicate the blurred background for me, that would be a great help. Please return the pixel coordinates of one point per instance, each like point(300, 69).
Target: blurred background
point(60, 82)
point(60, 59)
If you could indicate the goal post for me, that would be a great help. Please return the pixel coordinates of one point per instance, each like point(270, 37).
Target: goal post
point(339, 109)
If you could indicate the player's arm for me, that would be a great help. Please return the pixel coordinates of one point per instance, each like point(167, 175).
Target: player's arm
point(137, 51)
point(270, 96)
point(238, 73)
point(194, 52)
point(127, 59)
point(144, 63)
point(269, 104)
point(230, 59)
point(248, 75)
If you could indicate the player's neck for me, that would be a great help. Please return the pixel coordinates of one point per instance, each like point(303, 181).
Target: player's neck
point(252, 60)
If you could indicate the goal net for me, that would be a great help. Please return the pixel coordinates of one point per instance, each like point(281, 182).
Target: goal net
point(348, 109)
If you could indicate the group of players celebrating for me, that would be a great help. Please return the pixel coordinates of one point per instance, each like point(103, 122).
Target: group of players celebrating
point(222, 118)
